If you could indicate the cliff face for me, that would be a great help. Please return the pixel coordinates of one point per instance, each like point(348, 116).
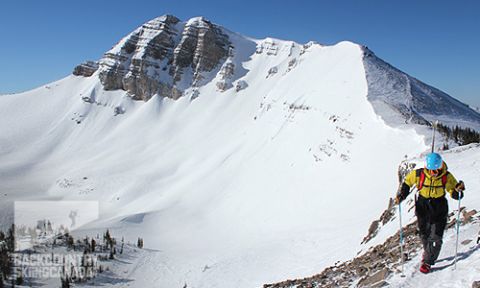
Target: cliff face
point(164, 56)
point(202, 47)
point(86, 69)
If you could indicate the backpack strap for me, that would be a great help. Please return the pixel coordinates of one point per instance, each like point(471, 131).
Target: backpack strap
point(420, 174)
point(444, 179)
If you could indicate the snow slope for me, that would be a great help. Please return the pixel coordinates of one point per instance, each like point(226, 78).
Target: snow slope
point(275, 181)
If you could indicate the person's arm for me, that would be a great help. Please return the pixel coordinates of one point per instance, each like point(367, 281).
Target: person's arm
point(407, 184)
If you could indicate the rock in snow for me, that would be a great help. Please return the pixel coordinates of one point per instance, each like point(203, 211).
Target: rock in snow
point(86, 69)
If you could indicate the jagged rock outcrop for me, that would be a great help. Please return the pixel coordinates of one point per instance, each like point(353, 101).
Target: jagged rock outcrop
point(135, 63)
point(268, 46)
point(86, 69)
point(201, 48)
point(272, 71)
point(241, 84)
point(164, 56)
point(226, 75)
point(227, 72)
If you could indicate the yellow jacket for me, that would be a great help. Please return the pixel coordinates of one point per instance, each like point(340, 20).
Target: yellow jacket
point(432, 186)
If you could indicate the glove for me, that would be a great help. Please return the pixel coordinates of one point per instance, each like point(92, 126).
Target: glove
point(398, 199)
point(460, 186)
point(458, 193)
point(402, 193)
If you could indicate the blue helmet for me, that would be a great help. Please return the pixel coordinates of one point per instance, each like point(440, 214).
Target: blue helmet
point(433, 161)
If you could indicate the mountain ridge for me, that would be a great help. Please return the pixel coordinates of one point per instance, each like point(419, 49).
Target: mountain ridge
point(168, 57)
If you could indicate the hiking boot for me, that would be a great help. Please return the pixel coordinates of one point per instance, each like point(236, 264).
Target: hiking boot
point(425, 268)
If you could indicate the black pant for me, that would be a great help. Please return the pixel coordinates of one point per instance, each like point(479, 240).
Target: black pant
point(432, 218)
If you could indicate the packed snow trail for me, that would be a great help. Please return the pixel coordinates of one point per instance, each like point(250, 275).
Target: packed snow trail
point(443, 273)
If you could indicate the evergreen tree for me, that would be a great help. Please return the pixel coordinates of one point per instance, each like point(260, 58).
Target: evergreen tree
point(65, 280)
point(140, 243)
point(49, 227)
point(445, 147)
point(88, 248)
point(461, 136)
point(70, 241)
point(107, 236)
point(93, 244)
point(6, 264)
point(19, 280)
point(11, 239)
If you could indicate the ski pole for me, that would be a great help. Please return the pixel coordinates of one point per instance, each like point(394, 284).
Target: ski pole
point(458, 228)
point(434, 124)
point(401, 237)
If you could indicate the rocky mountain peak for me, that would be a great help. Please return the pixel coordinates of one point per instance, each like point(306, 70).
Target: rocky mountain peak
point(164, 56)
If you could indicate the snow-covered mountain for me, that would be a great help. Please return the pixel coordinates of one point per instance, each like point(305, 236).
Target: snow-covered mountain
point(240, 161)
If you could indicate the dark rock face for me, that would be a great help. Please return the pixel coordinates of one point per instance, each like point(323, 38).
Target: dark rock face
point(86, 69)
point(201, 48)
point(157, 57)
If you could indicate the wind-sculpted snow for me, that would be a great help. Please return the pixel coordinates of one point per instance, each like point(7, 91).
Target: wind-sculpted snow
point(391, 89)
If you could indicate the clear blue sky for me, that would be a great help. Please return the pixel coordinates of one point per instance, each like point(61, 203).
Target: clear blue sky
point(436, 41)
